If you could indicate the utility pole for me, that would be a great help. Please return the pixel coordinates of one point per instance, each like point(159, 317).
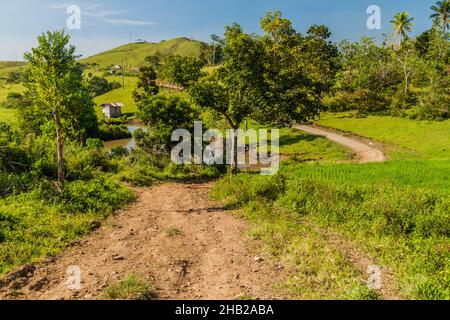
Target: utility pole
point(123, 79)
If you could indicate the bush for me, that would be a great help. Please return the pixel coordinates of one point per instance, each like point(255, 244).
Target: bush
point(99, 86)
point(433, 105)
point(114, 132)
point(14, 77)
point(362, 100)
point(86, 163)
point(98, 195)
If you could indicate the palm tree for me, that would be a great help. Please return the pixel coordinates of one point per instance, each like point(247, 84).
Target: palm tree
point(442, 12)
point(402, 23)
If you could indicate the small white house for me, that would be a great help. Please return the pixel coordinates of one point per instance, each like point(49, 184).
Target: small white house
point(112, 109)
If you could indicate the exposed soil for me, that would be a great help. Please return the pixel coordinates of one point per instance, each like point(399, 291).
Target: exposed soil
point(365, 152)
point(173, 234)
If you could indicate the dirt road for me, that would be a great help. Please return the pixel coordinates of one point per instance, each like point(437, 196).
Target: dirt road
point(173, 234)
point(364, 152)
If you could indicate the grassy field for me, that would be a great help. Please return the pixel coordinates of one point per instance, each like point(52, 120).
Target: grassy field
point(397, 213)
point(8, 115)
point(7, 88)
point(8, 66)
point(124, 95)
point(134, 54)
point(405, 138)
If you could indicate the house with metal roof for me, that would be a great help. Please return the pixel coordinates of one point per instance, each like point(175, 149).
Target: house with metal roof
point(112, 109)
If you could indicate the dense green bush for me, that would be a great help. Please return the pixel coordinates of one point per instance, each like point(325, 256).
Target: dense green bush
point(98, 195)
point(114, 132)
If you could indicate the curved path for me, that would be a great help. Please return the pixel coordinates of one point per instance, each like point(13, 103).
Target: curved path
point(365, 152)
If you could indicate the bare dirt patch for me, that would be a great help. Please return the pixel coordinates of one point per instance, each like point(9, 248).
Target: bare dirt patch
point(365, 151)
point(208, 257)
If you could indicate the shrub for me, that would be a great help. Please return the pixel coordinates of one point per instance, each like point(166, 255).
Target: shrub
point(114, 132)
point(98, 195)
point(133, 287)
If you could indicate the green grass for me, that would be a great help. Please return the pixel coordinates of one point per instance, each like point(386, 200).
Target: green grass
point(134, 54)
point(8, 66)
point(427, 175)
point(124, 95)
point(7, 88)
point(398, 213)
point(405, 138)
point(32, 228)
point(133, 287)
point(305, 146)
point(8, 115)
point(316, 270)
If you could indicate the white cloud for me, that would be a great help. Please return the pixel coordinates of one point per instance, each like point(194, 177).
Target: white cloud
point(128, 22)
point(98, 12)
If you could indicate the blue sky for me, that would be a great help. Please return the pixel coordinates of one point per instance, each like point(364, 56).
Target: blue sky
point(108, 23)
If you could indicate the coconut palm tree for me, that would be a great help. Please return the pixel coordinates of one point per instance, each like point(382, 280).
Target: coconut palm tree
point(442, 12)
point(402, 23)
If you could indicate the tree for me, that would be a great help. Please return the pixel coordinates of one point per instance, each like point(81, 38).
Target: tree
point(60, 95)
point(154, 60)
point(99, 86)
point(422, 43)
point(181, 70)
point(235, 89)
point(163, 115)
point(264, 77)
point(217, 49)
point(147, 85)
point(402, 23)
point(407, 59)
point(442, 13)
point(297, 70)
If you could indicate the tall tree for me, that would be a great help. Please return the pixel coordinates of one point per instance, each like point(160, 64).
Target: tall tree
point(235, 89)
point(181, 70)
point(217, 46)
point(402, 23)
point(266, 77)
point(59, 92)
point(442, 13)
point(147, 84)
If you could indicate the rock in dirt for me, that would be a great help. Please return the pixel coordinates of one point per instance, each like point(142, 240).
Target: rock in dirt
point(94, 225)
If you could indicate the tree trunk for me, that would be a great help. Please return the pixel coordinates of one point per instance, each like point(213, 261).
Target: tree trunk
point(59, 148)
point(234, 164)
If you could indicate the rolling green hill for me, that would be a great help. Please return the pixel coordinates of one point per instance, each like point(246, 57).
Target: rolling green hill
point(134, 54)
point(8, 66)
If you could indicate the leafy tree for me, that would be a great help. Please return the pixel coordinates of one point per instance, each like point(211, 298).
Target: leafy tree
point(147, 85)
point(402, 23)
point(182, 70)
point(60, 95)
point(407, 60)
point(163, 115)
point(368, 78)
point(266, 78)
point(442, 13)
point(99, 86)
point(217, 49)
point(422, 43)
point(154, 60)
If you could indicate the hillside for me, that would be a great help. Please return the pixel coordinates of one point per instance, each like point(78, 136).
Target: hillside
point(134, 54)
point(8, 66)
